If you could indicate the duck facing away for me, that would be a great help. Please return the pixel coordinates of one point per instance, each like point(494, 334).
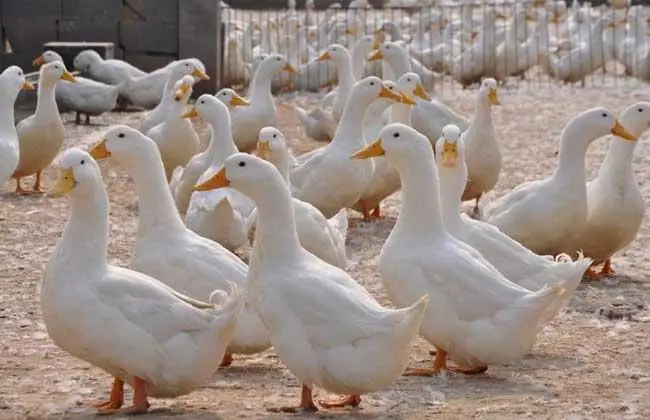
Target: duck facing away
point(325, 327)
point(136, 328)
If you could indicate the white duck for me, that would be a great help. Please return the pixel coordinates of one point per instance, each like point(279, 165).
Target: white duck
point(325, 327)
point(86, 96)
point(170, 252)
point(175, 136)
point(385, 180)
point(341, 58)
point(318, 235)
point(615, 204)
point(111, 71)
point(139, 330)
point(483, 154)
point(183, 179)
point(148, 91)
point(546, 215)
point(329, 180)
point(12, 80)
point(189, 66)
point(516, 262)
point(477, 316)
point(247, 122)
point(218, 215)
point(41, 134)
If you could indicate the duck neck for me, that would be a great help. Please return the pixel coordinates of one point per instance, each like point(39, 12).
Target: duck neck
point(452, 184)
point(345, 73)
point(349, 133)
point(157, 210)
point(222, 144)
point(46, 103)
point(618, 161)
point(87, 229)
point(420, 213)
point(400, 113)
point(359, 54)
point(7, 101)
point(261, 86)
point(482, 113)
point(571, 158)
point(276, 238)
point(400, 63)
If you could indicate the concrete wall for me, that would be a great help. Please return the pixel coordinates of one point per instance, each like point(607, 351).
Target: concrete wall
point(147, 33)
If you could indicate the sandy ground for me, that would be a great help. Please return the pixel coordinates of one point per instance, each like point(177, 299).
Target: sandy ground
point(591, 362)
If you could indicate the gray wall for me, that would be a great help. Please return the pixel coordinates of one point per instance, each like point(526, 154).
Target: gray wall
point(147, 33)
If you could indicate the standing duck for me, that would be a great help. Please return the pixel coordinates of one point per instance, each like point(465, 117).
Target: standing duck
point(615, 204)
point(476, 316)
point(560, 201)
point(325, 327)
point(139, 330)
point(12, 80)
point(41, 134)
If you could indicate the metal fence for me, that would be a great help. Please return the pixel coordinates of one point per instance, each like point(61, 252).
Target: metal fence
point(449, 46)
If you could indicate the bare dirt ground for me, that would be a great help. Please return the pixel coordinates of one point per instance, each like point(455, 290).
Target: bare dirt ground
point(592, 362)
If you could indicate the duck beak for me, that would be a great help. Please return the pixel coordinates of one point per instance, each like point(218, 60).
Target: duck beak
point(449, 154)
point(218, 180)
point(28, 86)
point(238, 101)
point(620, 131)
point(351, 31)
point(376, 56)
point(263, 150)
point(69, 77)
point(324, 56)
point(192, 113)
point(200, 74)
point(493, 98)
point(65, 182)
point(373, 150)
point(289, 68)
point(376, 44)
point(406, 100)
point(389, 94)
point(100, 151)
point(182, 91)
point(38, 61)
point(421, 93)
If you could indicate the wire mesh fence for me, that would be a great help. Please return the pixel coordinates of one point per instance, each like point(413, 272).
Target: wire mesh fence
point(450, 46)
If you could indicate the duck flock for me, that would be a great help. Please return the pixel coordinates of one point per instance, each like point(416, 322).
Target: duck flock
point(479, 289)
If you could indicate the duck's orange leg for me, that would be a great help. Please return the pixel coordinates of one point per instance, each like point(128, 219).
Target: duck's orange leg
point(439, 363)
point(19, 188)
point(607, 268)
point(140, 403)
point(227, 360)
point(116, 400)
point(306, 404)
point(349, 401)
point(364, 211)
point(590, 274)
point(376, 212)
point(37, 184)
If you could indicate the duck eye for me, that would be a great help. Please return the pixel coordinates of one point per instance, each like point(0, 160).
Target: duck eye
point(604, 114)
point(242, 164)
point(121, 135)
point(372, 83)
point(223, 94)
point(396, 135)
point(187, 64)
point(275, 136)
point(202, 102)
point(83, 161)
point(640, 109)
point(278, 59)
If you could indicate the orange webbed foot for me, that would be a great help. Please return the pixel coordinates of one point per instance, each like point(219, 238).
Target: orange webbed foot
point(140, 403)
point(116, 399)
point(306, 404)
point(469, 371)
point(439, 363)
point(349, 401)
point(607, 268)
point(591, 275)
point(376, 212)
